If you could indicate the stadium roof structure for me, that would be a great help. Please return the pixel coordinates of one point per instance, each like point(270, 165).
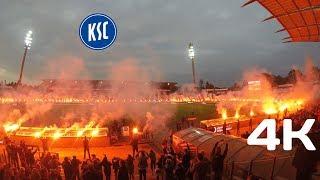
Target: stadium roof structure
point(300, 18)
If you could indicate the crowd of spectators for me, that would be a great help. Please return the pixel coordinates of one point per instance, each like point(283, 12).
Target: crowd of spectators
point(171, 165)
point(28, 163)
point(20, 162)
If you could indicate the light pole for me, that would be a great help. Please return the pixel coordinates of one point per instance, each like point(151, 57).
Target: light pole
point(191, 56)
point(27, 45)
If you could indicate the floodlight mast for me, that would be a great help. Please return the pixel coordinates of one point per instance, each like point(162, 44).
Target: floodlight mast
point(191, 56)
point(27, 45)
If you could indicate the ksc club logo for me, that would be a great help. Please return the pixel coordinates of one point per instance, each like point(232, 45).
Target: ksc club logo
point(98, 31)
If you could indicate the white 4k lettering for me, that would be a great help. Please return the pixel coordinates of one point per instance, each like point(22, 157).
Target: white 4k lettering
point(270, 141)
point(288, 135)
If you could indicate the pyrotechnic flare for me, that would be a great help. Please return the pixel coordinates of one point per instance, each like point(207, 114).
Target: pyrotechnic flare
point(135, 130)
point(95, 132)
point(37, 134)
point(283, 107)
point(269, 107)
point(224, 114)
point(80, 133)
point(11, 127)
point(237, 116)
point(57, 135)
point(251, 113)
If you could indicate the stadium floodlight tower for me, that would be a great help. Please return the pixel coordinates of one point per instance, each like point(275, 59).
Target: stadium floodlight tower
point(191, 56)
point(27, 45)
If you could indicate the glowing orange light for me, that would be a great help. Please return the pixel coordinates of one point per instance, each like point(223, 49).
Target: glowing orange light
point(135, 130)
point(269, 107)
point(251, 113)
point(37, 134)
point(11, 127)
point(237, 115)
point(224, 114)
point(95, 132)
point(270, 111)
point(299, 102)
point(80, 133)
point(283, 107)
point(57, 135)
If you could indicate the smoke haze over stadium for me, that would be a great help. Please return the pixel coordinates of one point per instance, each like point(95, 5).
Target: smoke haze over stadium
point(228, 39)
